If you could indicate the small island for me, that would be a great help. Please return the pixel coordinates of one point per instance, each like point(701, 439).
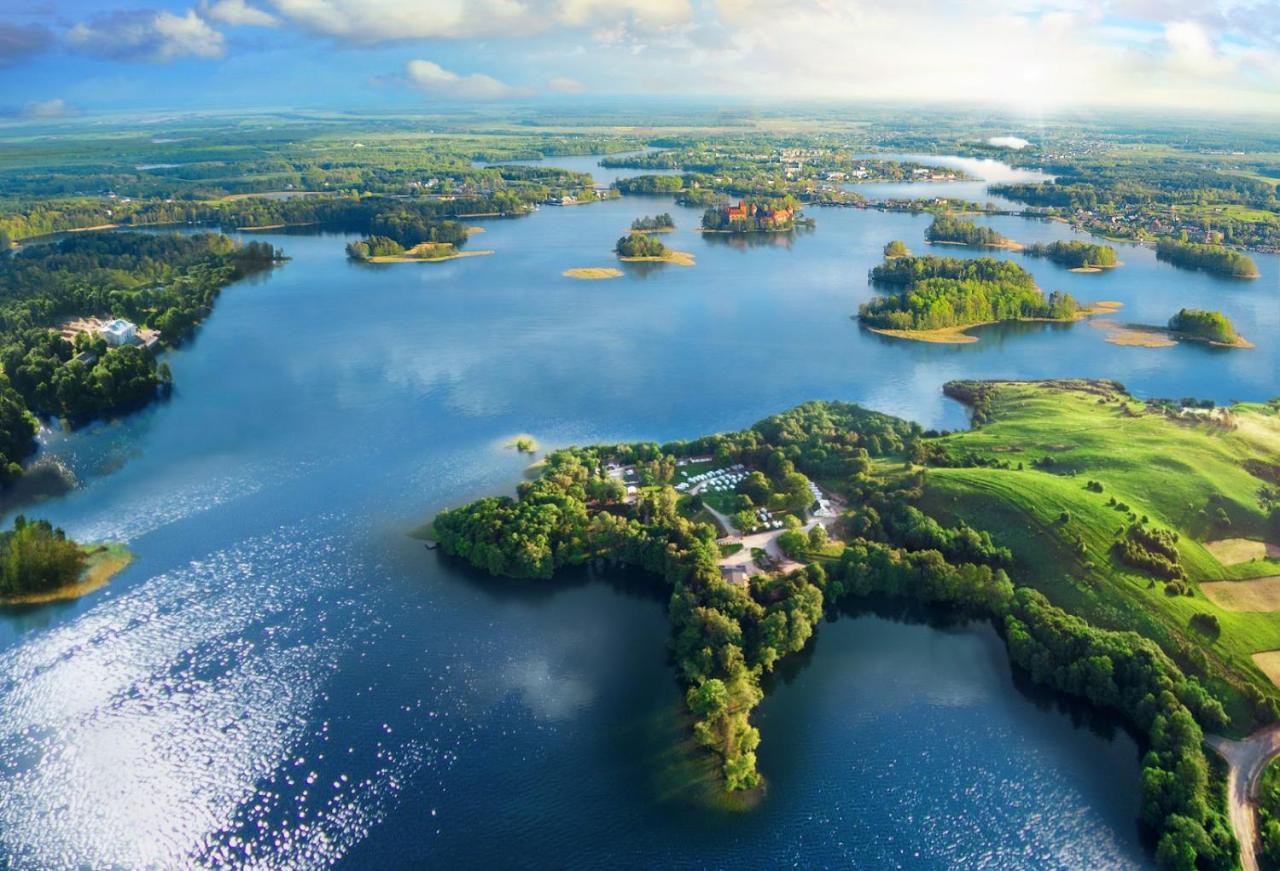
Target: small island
point(753, 216)
point(381, 249)
point(939, 298)
point(1188, 325)
point(1076, 256)
point(592, 273)
point(1210, 258)
point(663, 223)
point(1206, 326)
point(638, 247)
point(950, 230)
point(39, 564)
point(895, 249)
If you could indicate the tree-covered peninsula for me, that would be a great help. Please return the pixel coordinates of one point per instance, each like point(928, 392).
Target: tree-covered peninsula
point(166, 283)
point(936, 297)
point(1083, 256)
point(988, 524)
point(1210, 258)
point(960, 231)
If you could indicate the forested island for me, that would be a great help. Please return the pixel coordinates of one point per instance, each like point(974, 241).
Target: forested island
point(1077, 256)
point(654, 223)
point(896, 248)
point(1049, 544)
point(638, 247)
point(167, 283)
point(1210, 326)
point(1210, 258)
point(937, 298)
point(959, 231)
point(39, 563)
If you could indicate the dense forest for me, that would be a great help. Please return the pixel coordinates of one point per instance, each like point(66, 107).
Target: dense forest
point(726, 637)
point(946, 228)
point(904, 271)
point(1210, 258)
point(935, 292)
point(167, 282)
point(936, 303)
point(650, 184)
point(1074, 255)
point(1213, 326)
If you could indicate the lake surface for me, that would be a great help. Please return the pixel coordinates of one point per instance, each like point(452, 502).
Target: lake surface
point(985, 171)
point(284, 677)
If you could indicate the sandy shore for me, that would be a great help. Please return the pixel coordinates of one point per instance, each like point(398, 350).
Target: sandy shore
point(679, 258)
point(592, 273)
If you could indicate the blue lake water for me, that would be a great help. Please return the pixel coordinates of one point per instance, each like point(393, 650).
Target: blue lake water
point(285, 677)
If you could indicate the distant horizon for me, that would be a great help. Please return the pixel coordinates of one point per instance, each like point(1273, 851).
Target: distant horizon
point(68, 57)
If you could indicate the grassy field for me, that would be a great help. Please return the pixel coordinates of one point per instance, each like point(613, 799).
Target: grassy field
point(1183, 474)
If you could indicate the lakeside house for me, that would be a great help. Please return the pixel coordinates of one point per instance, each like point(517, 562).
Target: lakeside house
point(735, 574)
point(117, 332)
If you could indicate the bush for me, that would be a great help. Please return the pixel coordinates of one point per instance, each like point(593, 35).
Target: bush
point(1206, 624)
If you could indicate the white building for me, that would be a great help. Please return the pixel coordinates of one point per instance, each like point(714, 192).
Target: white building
point(119, 332)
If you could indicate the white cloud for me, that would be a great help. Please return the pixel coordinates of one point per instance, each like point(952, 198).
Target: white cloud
point(1017, 143)
point(43, 109)
point(371, 21)
point(1190, 50)
point(144, 35)
point(237, 13)
point(431, 78)
point(644, 14)
point(565, 85)
point(374, 21)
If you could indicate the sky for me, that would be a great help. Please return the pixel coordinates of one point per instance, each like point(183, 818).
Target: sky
point(65, 57)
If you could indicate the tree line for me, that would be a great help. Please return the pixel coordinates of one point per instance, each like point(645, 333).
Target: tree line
point(1210, 258)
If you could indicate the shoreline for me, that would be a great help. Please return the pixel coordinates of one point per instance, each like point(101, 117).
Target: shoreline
point(412, 255)
point(679, 258)
point(958, 335)
point(1006, 245)
point(1150, 336)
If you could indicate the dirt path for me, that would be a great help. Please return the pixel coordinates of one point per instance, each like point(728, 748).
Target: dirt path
point(1246, 760)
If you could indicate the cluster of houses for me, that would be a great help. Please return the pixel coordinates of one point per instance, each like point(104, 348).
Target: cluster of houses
point(716, 480)
point(599, 193)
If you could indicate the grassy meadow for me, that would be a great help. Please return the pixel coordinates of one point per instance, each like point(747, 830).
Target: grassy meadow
point(1186, 473)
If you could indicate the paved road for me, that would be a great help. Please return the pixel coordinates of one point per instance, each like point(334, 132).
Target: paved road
point(1246, 760)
